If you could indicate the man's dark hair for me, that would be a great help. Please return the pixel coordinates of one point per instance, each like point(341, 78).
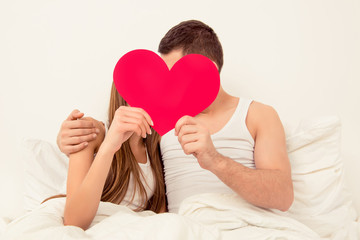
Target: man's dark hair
point(193, 36)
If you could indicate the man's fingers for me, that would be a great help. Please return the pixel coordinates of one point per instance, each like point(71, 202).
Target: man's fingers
point(79, 124)
point(190, 148)
point(75, 114)
point(79, 139)
point(75, 148)
point(187, 129)
point(188, 138)
point(82, 131)
point(185, 120)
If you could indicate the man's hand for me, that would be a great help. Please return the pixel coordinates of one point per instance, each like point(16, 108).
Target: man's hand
point(195, 139)
point(76, 132)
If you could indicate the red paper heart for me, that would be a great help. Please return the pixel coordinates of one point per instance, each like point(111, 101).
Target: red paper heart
point(143, 79)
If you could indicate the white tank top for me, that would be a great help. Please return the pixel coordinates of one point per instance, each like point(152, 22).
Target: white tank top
point(183, 175)
point(148, 182)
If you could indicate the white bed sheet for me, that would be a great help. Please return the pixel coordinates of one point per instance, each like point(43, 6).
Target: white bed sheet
point(321, 201)
point(205, 216)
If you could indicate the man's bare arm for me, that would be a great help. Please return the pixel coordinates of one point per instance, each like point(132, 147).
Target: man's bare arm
point(270, 184)
point(265, 188)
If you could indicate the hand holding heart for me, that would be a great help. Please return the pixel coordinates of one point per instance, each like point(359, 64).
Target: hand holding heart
point(195, 139)
point(126, 122)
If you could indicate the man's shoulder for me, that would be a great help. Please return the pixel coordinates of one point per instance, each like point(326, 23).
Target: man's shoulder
point(258, 109)
point(260, 116)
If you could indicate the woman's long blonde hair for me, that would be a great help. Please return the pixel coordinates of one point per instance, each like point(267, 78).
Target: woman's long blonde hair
point(124, 164)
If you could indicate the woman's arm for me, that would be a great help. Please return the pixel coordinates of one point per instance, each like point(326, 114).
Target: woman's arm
point(86, 178)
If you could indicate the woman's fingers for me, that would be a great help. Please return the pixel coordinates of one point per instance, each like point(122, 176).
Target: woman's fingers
point(131, 127)
point(134, 119)
point(137, 122)
point(142, 111)
point(139, 116)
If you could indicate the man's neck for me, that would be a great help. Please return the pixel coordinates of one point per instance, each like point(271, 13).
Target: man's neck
point(217, 103)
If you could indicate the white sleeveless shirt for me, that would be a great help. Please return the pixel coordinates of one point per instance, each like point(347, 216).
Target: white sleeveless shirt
point(148, 181)
point(183, 175)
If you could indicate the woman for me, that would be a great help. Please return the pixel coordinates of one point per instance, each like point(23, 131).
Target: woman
point(127, 168)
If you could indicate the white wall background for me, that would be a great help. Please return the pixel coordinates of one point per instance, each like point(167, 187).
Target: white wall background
point(302, 57)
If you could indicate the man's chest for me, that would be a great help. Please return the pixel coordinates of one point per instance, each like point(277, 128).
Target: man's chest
point(215, 122)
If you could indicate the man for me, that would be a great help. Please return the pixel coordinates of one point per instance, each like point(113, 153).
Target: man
point(234, 145)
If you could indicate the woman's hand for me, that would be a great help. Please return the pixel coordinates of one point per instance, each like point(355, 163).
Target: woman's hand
point(126, 122)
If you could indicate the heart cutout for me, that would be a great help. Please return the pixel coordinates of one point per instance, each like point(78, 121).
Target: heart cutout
point(143, 79)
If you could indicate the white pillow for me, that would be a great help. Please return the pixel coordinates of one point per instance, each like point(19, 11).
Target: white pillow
point(321, 200)
point(45, 171)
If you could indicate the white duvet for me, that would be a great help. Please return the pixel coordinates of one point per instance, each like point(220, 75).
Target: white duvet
point(322, 206)
point(205, 216)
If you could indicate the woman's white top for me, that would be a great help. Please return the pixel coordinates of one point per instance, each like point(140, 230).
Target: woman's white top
point(148, 181)
point(183, 175)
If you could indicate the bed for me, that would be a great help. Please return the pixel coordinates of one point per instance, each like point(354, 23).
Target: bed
point(301, 57)
point(323, 206)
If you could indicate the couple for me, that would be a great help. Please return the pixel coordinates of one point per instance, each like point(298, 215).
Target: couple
point(234, 145)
